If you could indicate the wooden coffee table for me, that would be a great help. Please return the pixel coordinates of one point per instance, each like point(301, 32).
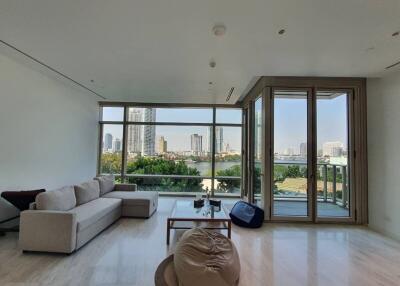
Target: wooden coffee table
point(185, 216)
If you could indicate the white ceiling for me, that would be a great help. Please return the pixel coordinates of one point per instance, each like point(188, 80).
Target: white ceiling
point(159, 50)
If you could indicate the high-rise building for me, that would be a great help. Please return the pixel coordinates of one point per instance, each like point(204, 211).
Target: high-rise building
point(208, 140)
point(149, 132)
point(288, 151)
point(227, 148)
point(117, 145)
point(162, 145)
point(219, 139)
point(141, 138)
point(332, 149)
point(303, 150)
point(196, 144)
point(336, 151)
point(135, 131)
point(108, 141)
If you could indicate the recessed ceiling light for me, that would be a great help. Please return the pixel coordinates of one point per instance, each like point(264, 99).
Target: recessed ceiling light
point(219, 30)
point(395, 34)
point(281, 31)
point(212, 63)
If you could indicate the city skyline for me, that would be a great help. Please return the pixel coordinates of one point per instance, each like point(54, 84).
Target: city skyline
point(199, 144)
point(331, 149)
point(290, 122)
point(291, 128)
point(177, 135)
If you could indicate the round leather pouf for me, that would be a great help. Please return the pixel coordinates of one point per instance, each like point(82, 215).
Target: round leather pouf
point(208, 258)
point(165, 274)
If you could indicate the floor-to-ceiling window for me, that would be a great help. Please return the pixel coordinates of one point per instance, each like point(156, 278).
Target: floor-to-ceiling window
point(257, 168)
point(171, 150)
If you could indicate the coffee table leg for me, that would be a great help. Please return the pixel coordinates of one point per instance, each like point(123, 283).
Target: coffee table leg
point(229, 229)
point(168, 231)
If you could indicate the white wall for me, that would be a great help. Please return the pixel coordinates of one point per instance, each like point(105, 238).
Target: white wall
point(384, 154)
point(48, 131)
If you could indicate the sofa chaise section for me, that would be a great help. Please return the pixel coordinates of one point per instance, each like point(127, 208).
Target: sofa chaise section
point(136, 204)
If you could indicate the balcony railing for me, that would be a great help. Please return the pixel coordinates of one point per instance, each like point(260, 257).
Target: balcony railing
point(332, 190)
point(155, 182)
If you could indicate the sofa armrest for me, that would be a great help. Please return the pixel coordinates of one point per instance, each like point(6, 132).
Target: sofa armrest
point(126, 187)
point(49, 231)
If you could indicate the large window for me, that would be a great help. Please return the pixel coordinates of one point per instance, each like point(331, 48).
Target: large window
point(174, 149)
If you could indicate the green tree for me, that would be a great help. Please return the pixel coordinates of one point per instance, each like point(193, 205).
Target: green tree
point(111, 163)
point(293, 171)
point(229, 185)
point(161, 166)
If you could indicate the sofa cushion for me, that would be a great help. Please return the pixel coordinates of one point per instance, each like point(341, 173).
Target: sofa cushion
point(89, 213)
point(62, 199)
point(134, 198)
point(107, 184)
point(87, 192)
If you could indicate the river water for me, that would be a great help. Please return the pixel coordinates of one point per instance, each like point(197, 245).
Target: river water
point(205, 167)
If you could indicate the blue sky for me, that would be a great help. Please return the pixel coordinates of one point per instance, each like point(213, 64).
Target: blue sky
point(290, 123)
point(193, 115)
point(290, 118)
point(178, 137)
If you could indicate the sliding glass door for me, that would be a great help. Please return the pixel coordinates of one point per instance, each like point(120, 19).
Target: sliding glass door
point(334, 191)
point(291, 188)
point(301, 159)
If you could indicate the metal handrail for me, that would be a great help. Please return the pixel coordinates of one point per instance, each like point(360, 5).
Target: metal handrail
point(180, 176)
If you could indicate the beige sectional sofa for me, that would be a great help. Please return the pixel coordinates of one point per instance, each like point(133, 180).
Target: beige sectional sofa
point(64, 220)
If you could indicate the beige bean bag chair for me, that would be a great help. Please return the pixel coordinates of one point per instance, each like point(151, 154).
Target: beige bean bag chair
point(201, 258)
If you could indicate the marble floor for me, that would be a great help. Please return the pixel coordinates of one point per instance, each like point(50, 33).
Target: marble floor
point(128, 252)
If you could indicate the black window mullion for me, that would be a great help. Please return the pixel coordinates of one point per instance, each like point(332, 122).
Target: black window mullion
point(124, 147)
point(213, 154)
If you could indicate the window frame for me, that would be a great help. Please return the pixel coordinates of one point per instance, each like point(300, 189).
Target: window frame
point(126, 123)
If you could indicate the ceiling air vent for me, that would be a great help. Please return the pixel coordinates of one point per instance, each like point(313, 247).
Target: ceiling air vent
point(230, 94)
point(393, 65)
